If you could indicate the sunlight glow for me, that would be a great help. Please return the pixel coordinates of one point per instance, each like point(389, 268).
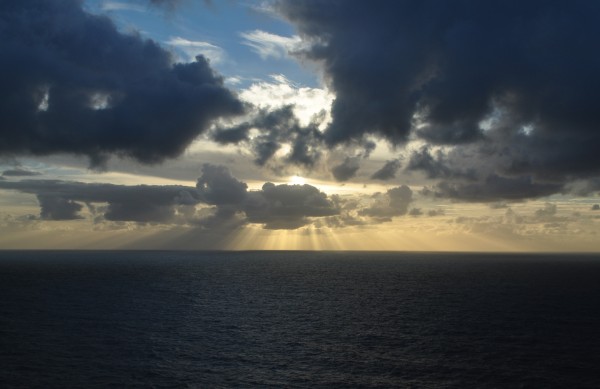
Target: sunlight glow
point(297, 180)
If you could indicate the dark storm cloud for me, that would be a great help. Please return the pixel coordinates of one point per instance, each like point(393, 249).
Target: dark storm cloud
point(71, 83)
point(20, 173)
point(387, 171)
point(346, 170)
point(274, 129)
point(520, 79)
point(438, 165)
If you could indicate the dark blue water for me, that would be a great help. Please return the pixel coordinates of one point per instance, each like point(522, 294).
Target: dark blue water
point(298, 319)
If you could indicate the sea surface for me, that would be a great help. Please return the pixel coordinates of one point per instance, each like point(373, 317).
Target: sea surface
point(298, 320)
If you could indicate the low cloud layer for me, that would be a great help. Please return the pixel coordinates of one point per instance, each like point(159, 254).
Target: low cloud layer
point(74, 84)
point(18, 172)
point(63, 200)
point(274, 206)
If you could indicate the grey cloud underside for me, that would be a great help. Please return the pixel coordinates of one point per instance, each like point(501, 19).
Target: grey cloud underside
point(274, 206)
point(346, 170)
point(273, 129)
point(61, 200)
point(226, 203)
point(394, 202)
point(19, 173)
point(387, 171)
point(71, 83)
point(493, 188)
point(515, 81)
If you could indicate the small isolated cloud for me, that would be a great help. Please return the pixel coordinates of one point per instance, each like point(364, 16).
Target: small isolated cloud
point(415, 212)
point(268, 45)
point(191, 49)
point(394, 202)
point(347, 169)
point(387, 171)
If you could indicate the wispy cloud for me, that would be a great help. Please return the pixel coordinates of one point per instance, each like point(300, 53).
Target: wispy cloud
point(122, 6)
point(190, 49)
point(266, 44)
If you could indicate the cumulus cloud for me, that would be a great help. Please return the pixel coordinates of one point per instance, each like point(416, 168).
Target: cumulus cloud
point(217, 186)
point(394, 202)
point(72, 83)
point(274, 206)
point(287, 206)
point(513, 82)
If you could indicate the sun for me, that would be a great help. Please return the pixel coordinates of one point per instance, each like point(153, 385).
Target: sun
point(297, 180)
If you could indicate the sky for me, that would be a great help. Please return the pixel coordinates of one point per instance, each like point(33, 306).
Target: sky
point(300, 124)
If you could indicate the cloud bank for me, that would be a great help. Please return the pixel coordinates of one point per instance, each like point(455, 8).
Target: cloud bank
point(217, 191)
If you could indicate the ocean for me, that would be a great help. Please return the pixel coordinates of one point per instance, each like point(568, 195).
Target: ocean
point(298, 319)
